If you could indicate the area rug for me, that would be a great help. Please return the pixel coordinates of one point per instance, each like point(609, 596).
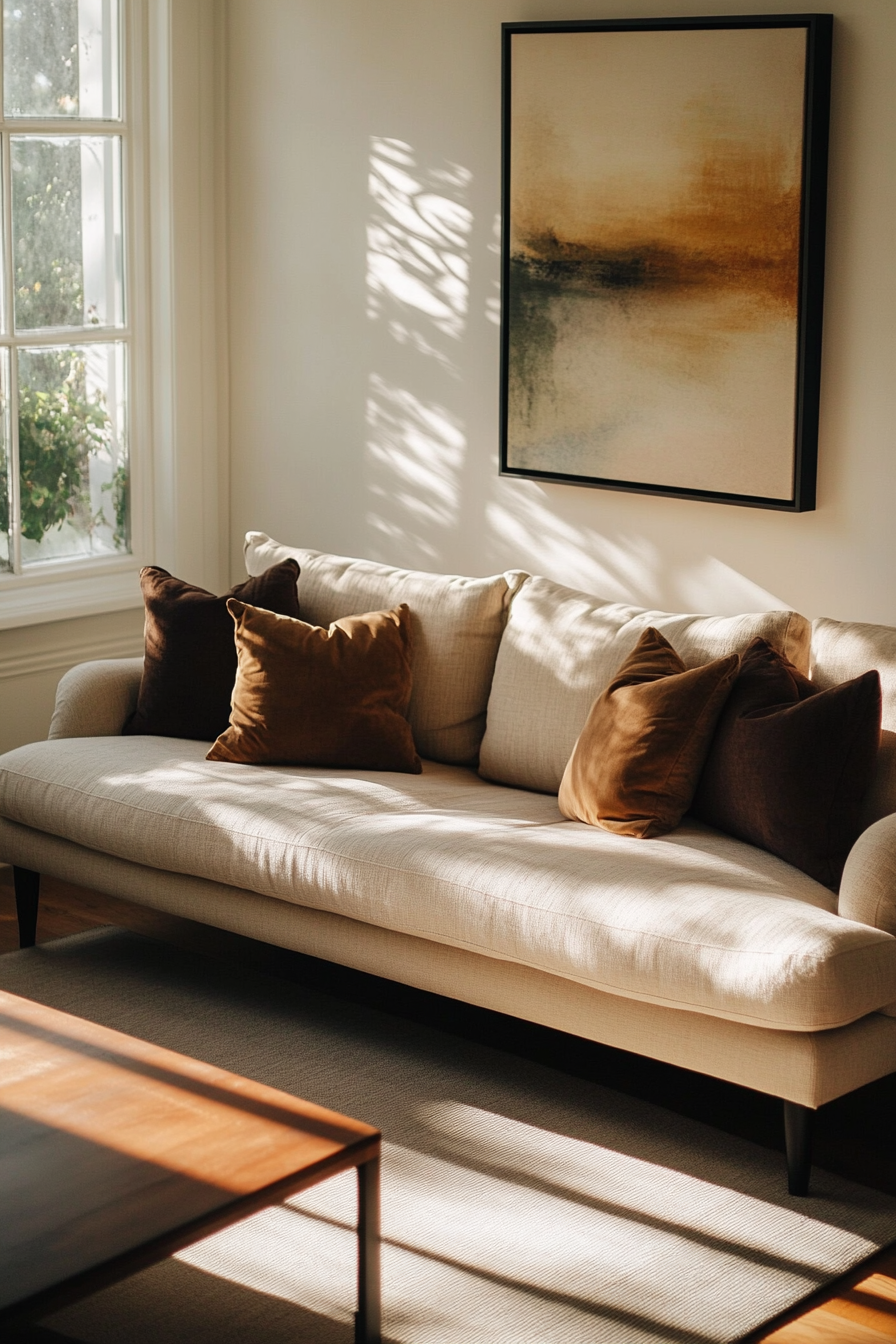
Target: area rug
point(521, 1206)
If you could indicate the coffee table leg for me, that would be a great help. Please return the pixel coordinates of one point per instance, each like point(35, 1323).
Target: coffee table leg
point(367, 1318)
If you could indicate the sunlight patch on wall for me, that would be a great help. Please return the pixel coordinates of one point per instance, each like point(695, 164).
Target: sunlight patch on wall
point(493, 300)
point(524, 523)
point(415, 451)
point(418, 274)
point(418, 262)
point(710, 584)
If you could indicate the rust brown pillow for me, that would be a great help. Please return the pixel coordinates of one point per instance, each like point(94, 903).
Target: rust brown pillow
point(789, 764)
point(637, 761)
point(309, 696)
point(189, 662)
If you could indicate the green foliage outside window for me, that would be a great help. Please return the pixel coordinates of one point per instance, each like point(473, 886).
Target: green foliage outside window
point(60, 428)
point(48, 276)
point(66, 435)
point(40, 74)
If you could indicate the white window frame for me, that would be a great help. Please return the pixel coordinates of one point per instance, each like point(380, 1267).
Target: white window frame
point(173, 102)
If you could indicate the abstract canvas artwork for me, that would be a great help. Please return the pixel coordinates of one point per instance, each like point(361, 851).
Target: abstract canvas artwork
point(664, 194)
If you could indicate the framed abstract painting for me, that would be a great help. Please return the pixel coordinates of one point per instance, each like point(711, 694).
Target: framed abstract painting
point(664, 186)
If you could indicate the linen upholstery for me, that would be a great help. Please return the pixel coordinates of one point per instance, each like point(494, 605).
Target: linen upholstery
point(456, 624)
point(810, 1068)
point(561, 649)
point(880, 800)
point(96, 699)
point(842, 650)
point(790, 764)
point(695, 920)
point(868, 888)
point(309, 696)
point(635, 765)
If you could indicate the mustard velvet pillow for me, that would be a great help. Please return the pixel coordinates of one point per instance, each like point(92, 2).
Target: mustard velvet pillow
point(636, 763)
point(309, 696)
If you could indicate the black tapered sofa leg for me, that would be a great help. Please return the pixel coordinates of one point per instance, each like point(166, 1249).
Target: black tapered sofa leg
point(27, 885)
point(798, 1140)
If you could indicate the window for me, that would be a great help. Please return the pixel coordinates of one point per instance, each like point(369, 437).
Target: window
point(65, 342)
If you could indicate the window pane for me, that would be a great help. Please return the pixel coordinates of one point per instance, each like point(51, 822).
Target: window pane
point(66, 212)
point(4, 277)
point(5, 542)
point(61, 58)
point(73, 465)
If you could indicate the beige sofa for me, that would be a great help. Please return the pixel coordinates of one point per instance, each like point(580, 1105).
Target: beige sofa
point(694, 948)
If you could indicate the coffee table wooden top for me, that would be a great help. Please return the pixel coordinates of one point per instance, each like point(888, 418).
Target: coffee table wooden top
point(115, 1152)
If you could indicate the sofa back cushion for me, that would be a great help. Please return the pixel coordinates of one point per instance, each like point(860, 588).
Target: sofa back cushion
point(561, 649)
point(880, 800)
point(456, 627)
point(842, 650)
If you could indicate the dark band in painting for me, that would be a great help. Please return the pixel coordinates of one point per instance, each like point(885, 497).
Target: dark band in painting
point(663, 253)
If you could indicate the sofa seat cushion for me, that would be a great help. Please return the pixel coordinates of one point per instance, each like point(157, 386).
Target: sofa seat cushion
point(695, 920)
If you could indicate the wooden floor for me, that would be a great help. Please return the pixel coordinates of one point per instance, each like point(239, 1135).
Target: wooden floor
point(854, 1135)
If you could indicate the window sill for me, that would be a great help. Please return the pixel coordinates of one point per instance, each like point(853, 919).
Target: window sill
point(38, 598)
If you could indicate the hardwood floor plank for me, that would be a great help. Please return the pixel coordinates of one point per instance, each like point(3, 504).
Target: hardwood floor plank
point(871, 1303)
point(824, 1326)
point(882, 1289)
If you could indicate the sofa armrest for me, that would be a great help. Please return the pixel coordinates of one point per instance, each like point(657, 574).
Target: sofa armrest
point(96, 699)
point(868, 888)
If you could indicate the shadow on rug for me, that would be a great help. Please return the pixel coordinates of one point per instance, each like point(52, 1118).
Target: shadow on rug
point(519, 1204)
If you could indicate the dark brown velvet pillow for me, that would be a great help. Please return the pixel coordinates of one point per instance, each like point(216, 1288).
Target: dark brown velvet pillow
point(789, 764)
point(638, 758)
point(309, 696)
point(189, 663)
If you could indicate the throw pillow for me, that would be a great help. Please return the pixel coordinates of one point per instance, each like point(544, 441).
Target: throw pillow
point(790, 764)
point(309, 696)
point(189, 663)
point(636, 763)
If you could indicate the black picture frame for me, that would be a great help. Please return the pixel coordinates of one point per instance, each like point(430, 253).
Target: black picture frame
point(633, 241)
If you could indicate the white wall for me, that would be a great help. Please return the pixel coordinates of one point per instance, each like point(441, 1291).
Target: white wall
point(34, 657)
point(365, 421)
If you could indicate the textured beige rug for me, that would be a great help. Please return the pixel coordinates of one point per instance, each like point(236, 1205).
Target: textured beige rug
point(520, 1205)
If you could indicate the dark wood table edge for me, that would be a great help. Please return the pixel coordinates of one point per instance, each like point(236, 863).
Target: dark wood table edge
point(364, 1155)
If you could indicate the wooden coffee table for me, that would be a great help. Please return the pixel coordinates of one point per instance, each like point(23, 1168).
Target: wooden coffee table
point(114, 1153)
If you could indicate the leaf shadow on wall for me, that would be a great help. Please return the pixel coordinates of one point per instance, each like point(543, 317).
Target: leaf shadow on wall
point(418, 271)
